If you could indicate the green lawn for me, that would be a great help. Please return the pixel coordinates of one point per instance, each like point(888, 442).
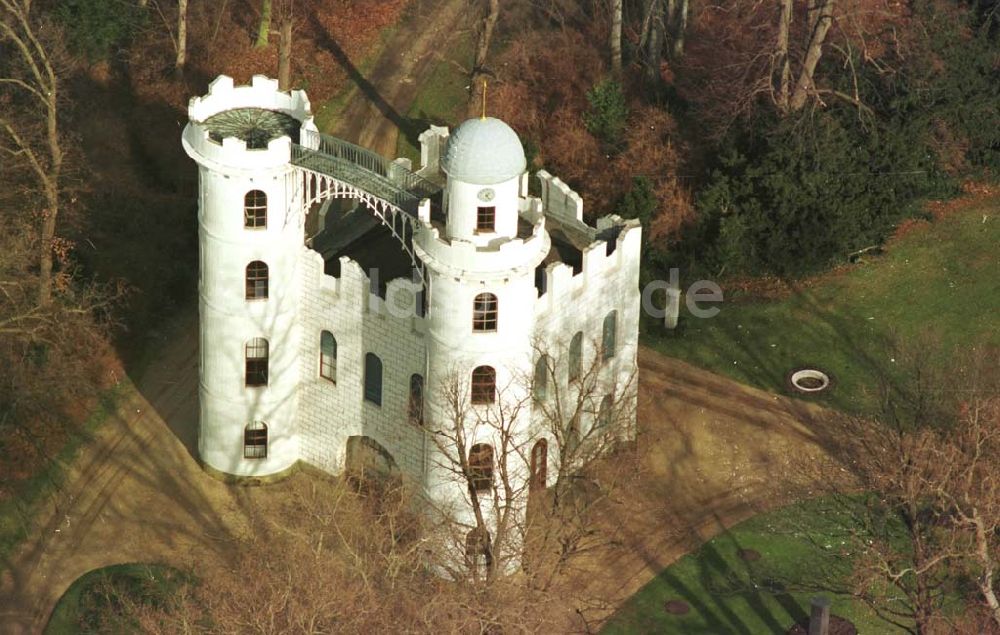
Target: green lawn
point(804, 551)
point(934, 292)
point(90, 602)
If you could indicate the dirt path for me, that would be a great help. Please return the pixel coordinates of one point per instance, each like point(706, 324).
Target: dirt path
point(377, 111)
point(134, 494)
point(713, 453)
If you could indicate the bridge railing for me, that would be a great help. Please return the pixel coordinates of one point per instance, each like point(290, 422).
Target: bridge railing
point(371, 162)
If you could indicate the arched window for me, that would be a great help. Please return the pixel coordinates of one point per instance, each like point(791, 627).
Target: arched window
point(484, 385)
point(255, 210)
point(373, 379)
point(609, 335)
point(539, 464)
point(255, 440)
point(328, 356)
point(484, 313)
point(478, 550)
point(540, 386)
point(481, 467)
point(605, 411)
point(256, 280)
point(256, 362)
point(416, 409)
point(576, 356)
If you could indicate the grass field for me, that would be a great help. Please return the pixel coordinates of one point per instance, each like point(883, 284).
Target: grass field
point(91, 598)
point(935, 292)
point(442, 98)
point(804, 550)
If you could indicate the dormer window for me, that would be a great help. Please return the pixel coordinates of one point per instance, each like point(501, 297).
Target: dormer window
point(486, 219)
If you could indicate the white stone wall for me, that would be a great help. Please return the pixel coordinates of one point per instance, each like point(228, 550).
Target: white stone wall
point(580, 302)
point(330, 413)
point(227, 171)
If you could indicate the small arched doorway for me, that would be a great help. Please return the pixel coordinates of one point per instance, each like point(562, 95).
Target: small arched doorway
point(366, 459)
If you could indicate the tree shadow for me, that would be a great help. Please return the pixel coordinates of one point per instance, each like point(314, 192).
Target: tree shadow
point(369, 90)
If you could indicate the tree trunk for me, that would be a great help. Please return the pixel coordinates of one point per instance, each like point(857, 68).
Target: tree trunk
point(616, 39)
point(285, 55)
point(265, 24)
point(647, 15)
point(47, 234)
point(781, 57)
point(678, 28)
point(182, 7)
point(824, 19)
point(654, 47)
point(989, 566)
point(476, 94)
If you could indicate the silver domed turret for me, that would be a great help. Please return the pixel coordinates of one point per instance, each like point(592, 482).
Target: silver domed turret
point(484, 152)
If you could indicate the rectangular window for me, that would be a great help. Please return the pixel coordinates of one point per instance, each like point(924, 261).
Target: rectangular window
point(255, 441)
point(256, 362)
point(486, 219)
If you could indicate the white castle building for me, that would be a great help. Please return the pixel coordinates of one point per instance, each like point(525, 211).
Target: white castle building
point(342, 294)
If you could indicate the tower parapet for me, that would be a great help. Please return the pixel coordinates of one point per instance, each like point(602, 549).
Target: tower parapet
point(246, 127)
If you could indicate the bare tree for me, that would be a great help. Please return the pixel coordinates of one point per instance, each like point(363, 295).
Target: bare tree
point(286, 22)
point(181, 59)
point(479, 446)
point(264, 29)
point(534, 499)
point(616, 39)
point(820, 20)
point(368, 541)
point(653, 36)
point(677, 17)
point(936, 485)
point(32, 133)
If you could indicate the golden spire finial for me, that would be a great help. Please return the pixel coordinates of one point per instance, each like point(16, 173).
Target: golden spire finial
point(484, 99)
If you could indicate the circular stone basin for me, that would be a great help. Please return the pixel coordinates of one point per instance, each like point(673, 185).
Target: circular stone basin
point(676, 607)
point(809, 380)
point(749, 555)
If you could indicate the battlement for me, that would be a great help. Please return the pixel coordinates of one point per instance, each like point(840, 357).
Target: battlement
point(466, 256)
point(262, 92)
point(559, 200)
point(605, 261)
point(432, 145)
point(221, 124)
point(352, 287)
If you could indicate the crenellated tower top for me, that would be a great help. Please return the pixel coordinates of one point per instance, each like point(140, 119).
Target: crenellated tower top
point(248, 127)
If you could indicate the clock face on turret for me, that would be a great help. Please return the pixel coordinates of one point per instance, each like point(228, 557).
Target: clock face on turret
point(486, 194)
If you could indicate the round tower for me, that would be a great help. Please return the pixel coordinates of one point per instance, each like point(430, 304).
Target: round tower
point(250, 235)
point(480, 318)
